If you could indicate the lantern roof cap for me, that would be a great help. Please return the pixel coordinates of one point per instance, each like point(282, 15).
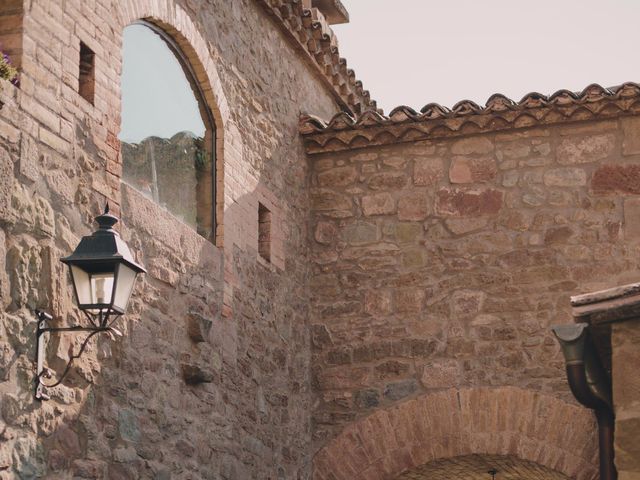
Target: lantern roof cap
point(103, 247)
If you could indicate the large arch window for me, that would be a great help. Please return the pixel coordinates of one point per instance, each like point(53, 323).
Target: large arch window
point(167, 131)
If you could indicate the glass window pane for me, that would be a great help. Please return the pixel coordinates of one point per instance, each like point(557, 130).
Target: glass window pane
point(126, 280)
point(82, 285)
point(165, 134)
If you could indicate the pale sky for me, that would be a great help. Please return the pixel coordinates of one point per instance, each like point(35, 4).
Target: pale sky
point(413, 52)
point(157, 99)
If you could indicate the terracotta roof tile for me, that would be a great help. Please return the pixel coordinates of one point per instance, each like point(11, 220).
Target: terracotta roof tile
point(311, 35)
point(403, 123)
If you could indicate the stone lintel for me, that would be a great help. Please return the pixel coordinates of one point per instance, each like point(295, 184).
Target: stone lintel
point(607, 306)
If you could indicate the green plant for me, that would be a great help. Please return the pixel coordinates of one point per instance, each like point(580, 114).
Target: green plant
point(7, 70)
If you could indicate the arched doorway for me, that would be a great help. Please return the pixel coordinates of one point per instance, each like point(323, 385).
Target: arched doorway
point(505, 421)
point(482, 467)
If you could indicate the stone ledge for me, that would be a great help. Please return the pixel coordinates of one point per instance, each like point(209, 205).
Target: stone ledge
point(607, 306)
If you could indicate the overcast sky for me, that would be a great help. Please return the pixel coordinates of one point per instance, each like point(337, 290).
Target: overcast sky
point(157, 99)
point(413, 52)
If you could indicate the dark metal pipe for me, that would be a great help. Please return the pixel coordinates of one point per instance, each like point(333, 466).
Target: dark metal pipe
point(591, 386)
point(606, 422)
point(579, 386)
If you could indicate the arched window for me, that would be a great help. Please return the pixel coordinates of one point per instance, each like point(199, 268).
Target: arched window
point(167, 131)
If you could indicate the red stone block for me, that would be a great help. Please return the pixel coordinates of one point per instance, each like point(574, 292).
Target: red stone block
point(462, 203)
point(617, 178)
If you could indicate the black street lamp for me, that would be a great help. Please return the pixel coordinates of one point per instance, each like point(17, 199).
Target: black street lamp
point(103, 273)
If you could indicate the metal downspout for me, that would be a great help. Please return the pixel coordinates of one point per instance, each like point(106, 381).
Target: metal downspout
point(591, 386)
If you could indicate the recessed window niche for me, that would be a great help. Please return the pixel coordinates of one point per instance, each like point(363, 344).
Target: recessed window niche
point(167, 132)
point(87, 76)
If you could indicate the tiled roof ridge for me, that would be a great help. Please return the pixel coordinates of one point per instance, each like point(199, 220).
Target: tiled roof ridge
point(403, 123)
point(313, 37)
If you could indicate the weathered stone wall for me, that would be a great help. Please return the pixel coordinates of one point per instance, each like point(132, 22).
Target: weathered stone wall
point(441, 264)
point(626, 395)
point(211, 377)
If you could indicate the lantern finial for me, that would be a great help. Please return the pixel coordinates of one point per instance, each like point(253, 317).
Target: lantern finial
point(106, 221)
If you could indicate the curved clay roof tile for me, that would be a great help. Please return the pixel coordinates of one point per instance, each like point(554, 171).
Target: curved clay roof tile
point(402, 114)
point(628, 89)
point(563, 97)
point(341, 121)
point(311, 124)
point(434, 110)
point(595, 92)
point(466, 107)
point(533, 100)
point(499, 103)
point(370, 118)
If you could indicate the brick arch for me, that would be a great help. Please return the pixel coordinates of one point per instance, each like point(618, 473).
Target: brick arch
point(177, 23)
point(497, 421)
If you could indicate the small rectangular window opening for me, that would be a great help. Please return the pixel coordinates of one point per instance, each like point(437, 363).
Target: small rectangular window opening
point(87, 78)
point(264, 232)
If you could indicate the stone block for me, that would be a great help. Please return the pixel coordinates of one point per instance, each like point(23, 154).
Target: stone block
point(409, 300)
point(565, 177)
point(462, 203)
point(461, 226)
point(391, 369)
point(128, 425)
point(338, 177)
point(427, 171)
point(367, 398)
point(323, 199)
point(320, 336)
point(343, 378)
point(586, 149)
point(361, 233)
point(441, 373)
point(6, 185)
point(466, 303)
point(29, 158)
point(627, 446)
point(413, 258)
point(631, 135)
point(472, 169)
point(557, 235)
point(325, 233)
point(198, 327)
point(378, 204)
point(632, 219)
point(413, 206)
point(472, 145)
point(387, 181)
point(513, 150)
point(399, 390)
point(394, 162)
point(406, 232)
point(377, 302)
point(616, 178)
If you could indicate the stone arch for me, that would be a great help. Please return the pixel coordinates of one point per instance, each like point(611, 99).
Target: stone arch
point(177, 23)
point(497, 421)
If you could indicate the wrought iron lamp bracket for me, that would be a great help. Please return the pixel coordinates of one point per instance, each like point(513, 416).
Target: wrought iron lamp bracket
point(98, 324)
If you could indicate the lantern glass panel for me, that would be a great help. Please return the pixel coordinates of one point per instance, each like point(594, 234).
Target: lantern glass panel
point(101, 288)
point(82, 284)
point(125, 280)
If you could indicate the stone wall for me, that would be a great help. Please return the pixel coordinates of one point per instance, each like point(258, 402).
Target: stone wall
point(211, 377)
point(442, 264)
point(626, 394)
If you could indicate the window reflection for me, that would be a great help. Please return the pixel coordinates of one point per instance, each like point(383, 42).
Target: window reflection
point(166, 133)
